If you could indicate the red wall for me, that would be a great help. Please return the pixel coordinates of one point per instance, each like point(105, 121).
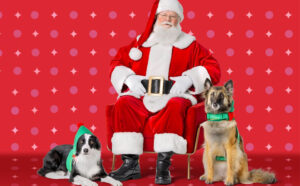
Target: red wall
point(34, 90)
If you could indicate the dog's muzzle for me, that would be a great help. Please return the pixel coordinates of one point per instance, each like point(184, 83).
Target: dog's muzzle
point(157, 86)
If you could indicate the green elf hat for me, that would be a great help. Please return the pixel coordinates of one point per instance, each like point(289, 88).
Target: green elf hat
point(81, 131)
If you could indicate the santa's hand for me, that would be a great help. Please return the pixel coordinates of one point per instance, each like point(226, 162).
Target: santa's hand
point(134, 84)
point(182, 84)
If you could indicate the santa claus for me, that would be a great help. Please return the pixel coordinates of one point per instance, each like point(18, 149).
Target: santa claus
point(160, 74)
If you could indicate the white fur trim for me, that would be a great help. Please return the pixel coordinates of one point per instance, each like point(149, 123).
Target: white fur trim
point(167, 142)
point(171, 5)
point(127, 143)
point(135, 54)
point(156, 103)
point(198, 75)
point(159, 61)
point(118, 77)
point(183, 41)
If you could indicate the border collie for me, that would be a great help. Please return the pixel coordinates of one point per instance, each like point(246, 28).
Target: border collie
point(86, 164)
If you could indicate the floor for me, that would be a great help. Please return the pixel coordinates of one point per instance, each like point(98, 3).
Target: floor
point(22, 170)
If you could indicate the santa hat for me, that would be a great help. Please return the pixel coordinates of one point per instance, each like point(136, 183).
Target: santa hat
point(81, 131)
point(158, 6)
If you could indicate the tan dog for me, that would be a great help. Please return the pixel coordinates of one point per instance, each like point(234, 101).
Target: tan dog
point(224, 158)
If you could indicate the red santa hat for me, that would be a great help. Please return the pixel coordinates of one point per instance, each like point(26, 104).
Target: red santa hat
point(158, 6)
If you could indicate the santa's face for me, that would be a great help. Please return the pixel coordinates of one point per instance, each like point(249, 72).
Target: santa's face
point(167, 19)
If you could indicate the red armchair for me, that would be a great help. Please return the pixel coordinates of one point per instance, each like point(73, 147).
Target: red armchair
point(192, 133)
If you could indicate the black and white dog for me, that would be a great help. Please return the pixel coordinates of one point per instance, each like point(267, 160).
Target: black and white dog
point(86, 164)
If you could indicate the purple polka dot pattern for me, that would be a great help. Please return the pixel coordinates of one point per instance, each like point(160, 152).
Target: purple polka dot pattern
point(210, 34)
point(73, 128)
point(34, 15)
point(269, 90)
point(269, 127)
point(54, 33)
point(93, 71)
point(249, 109)
point(289, 34)
point(269, 52)
point(230, 15)
point(249, 33)
point(17, 70)
point(289, 147)
point(249, 147)
point(289, 71)
point(112, 52)
point(35, 52)
point(132, 33)
point(112, 15)
point(15, 110)
point(230, 52)
point(54, 109)
point(111, 90)
point(34, 131)
point(249, 71)
point(73, 90)
point(73, 14)
point(269, 15)
point(93, 34)
point(54, 71)
point(17, 33)
point(53, 145)
point(34, 93)
point(93, 109)
point(191, 14)
point(289, 109)
point(73, 52)
point(14, 147)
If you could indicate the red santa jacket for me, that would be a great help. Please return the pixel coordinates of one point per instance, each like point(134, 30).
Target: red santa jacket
point(188, 57)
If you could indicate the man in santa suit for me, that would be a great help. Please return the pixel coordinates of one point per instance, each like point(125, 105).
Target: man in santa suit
point(157, 77)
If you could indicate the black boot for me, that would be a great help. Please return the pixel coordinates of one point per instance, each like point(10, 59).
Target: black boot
point(163, 176)
point(130, 168)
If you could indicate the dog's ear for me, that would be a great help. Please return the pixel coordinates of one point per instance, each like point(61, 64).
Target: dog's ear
point(229, 86)
point(207, 84)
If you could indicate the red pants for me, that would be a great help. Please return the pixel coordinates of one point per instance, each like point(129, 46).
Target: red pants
point(130, 117)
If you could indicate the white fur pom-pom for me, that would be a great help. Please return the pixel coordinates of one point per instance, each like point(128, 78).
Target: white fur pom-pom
point(135, 54)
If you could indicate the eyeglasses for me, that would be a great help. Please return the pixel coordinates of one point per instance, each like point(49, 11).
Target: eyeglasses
point(165, 16)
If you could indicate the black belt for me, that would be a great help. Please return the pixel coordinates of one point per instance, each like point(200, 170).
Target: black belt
point(157, 86)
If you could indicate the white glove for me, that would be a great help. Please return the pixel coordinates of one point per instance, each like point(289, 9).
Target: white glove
point(182, 84)
point(134, 84)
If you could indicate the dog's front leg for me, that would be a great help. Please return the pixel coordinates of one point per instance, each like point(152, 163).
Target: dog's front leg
point(230, 165)
point(209, 165)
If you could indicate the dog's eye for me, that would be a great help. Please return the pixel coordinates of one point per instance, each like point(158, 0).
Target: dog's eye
point(81, 141)
point(221, 96)
point(92, 142)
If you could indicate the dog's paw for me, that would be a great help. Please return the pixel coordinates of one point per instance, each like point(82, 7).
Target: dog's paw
point(93, 183)
point(117, 183)
point(229, 183)
point(209, 181)
point(202, 178)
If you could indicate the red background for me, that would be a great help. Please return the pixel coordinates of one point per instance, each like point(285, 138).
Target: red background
point(34, 90)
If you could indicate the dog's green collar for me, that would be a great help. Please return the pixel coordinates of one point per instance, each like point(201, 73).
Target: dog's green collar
point(221, 116)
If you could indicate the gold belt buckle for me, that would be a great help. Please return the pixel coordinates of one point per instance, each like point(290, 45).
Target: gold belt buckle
point(160, 87)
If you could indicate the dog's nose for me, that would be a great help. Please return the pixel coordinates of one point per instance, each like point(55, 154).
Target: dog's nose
point(86, 150)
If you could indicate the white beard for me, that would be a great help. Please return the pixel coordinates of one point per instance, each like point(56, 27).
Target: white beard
point(166, 36)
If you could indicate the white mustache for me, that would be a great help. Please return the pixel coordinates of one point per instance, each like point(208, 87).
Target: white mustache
point(167, 23)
